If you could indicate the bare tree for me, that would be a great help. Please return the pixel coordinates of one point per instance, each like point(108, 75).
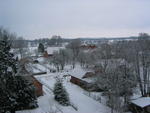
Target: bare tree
point(60, 59)
point(20, 46)
point(117, 82)
point(55, 41)
point(142, 62)
point(74, 45)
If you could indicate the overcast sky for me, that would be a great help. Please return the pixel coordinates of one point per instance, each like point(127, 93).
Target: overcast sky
point(75, 18)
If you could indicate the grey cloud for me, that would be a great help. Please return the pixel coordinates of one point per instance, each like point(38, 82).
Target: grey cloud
point(75, 18)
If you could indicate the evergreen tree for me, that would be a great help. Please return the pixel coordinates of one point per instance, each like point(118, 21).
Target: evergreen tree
point(7, 62)
point(61, 94)
point(15, 91)
point(7, 100)
point(25, 96)
point(7, 70)
point(41, 48)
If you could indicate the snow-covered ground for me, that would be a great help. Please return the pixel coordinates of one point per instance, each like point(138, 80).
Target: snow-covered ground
point(85, 102)
point(78, 98)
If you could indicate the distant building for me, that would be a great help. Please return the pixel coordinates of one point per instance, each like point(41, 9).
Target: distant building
point(45, 54)
point(89, 46)
point(50, 51)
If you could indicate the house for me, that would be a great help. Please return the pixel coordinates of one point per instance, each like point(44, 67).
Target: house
point(89, 46)
point(140, 105)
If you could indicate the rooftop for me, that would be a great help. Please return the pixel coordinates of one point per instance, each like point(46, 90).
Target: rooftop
point(142, 102)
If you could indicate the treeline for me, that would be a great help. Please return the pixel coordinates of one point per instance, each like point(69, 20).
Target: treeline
point(53, 41)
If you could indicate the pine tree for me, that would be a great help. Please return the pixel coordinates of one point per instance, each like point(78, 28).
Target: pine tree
point(41, 48)
point(26, 97)
point(7, 70)
point(61, 95)
point(15, 91)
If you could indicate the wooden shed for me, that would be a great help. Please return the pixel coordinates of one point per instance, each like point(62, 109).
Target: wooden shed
point(85, 85)
point(140, 105)
point(78, 81)
point(38, 86)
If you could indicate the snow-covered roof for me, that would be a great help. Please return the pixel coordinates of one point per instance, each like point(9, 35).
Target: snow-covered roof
point(51, 50)
point(78, 72)
point(35, 68)
point(142, 102)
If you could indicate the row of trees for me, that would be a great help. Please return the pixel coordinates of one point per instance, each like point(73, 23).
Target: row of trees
point(53, 41)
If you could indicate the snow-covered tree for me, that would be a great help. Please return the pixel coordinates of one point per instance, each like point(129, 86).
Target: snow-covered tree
point(60, 59)
point(20, 46)
point(142, 62)
point(55, 41)
point(117, 81)
point(7, 70)
point(13, 90)
point(74, 46)
point(26, 97)
point(61, 95)
point(7, 98)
